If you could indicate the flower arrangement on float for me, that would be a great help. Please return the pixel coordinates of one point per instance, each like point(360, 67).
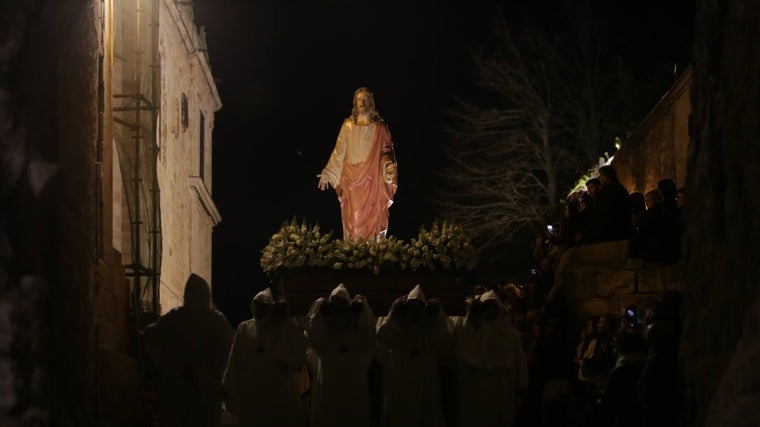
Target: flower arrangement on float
point(443, 246)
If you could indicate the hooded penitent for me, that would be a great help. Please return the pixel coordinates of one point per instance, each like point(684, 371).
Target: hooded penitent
point(262, 375)
point(490, 296)
point(340, 355)
point(261, 304)
point(416, 294)
point(340, 292)
point(197, 292)
point(413, 353)
point(264, 297)
point(492, 367)
point(189, 345)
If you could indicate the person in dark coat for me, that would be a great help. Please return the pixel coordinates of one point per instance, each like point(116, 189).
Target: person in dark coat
point(619, 405)
point(189, 345)
point(658, 385)
point(610, 217)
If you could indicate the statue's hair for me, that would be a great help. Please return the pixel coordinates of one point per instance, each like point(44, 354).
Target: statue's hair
point(373, 114)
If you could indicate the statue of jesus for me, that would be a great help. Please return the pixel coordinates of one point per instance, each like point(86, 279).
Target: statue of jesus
point(362, 170)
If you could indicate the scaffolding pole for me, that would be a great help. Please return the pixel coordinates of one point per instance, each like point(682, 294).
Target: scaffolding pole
point(137, 110)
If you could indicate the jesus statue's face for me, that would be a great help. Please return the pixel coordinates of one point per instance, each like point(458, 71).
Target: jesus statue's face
point(363, 102)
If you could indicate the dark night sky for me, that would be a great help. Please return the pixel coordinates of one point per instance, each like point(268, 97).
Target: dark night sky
point(286, 74)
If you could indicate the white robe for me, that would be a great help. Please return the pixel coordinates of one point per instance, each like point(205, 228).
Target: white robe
point(492, 367)
point(340, 354)
point(413, 357)
point(262, 376)
point(353, 144)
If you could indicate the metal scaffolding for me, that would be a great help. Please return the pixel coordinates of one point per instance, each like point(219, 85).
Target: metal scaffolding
point(135, 112)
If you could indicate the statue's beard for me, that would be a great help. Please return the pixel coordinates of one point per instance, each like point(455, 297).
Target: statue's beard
point(364, 109)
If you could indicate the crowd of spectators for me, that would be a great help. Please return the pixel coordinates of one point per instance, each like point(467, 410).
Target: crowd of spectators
point(618, 369)
point(653, 222)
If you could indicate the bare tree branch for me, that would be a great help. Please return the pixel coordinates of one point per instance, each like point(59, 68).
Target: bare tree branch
point(503, 159)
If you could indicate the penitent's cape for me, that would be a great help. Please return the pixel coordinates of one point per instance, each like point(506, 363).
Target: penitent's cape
point(415, 352)
point(340, 354)
point(262, 375)
point(493, 366)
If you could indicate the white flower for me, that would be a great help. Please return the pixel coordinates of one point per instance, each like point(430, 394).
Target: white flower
point(442, 246)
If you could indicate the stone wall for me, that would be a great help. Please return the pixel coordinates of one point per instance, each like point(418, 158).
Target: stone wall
point(721, 341)
point(188, 213)
point(657, 148)
point(51, 211)
point(77, 136)
point(595, 280)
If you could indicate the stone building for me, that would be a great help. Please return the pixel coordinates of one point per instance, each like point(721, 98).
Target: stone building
point(107, 110)
point(170, 82)
point(658, 147)
point(189, 99)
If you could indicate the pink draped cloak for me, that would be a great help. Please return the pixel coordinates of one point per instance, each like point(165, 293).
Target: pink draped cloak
point(366, 195)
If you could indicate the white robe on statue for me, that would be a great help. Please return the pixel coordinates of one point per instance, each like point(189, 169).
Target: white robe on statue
point(413, 352)
point(492, 367)
point(341, 353)
point(262, 376)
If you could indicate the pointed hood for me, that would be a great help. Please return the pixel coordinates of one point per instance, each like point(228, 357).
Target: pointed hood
point(416, 293)
point(490, 295)
point(340, 292)
point(265, 296)
point(197, 292)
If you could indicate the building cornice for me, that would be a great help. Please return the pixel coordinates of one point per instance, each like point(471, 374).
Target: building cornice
point(204, 65)
point(198, 187)
point(191, 40)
